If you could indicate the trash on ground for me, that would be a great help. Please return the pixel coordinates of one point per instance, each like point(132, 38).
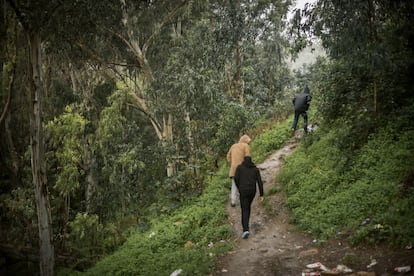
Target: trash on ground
point(373, 262)
point(343, 268)
point(403, 268)
point(317, 265)
point(319, 269)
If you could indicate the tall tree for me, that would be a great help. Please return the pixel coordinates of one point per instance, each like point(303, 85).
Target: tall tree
point(29, 17)
point(370, 42)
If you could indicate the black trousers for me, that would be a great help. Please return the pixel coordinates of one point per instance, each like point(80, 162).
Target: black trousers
point(296, 119)
point(246, 199)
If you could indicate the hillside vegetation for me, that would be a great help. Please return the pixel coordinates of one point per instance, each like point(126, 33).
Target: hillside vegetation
point(364, 194)
point(116, 117)
point(192, 237)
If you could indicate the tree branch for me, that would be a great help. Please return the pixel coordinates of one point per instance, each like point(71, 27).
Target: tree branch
point(166, 20)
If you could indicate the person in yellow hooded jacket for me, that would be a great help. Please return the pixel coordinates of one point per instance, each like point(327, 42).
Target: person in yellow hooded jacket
point(235, 157)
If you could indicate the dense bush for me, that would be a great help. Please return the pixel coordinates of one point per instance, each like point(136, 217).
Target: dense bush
point(331, 191)
point(190, 239)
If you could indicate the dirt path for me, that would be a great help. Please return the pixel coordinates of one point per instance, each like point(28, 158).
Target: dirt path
point(275, 247)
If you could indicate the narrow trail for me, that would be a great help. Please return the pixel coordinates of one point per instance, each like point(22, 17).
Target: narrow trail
point(275, 247)
point(271, 245)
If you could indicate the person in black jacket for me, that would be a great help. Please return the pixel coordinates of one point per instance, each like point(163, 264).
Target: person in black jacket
point(246, 177)
point(301, 104)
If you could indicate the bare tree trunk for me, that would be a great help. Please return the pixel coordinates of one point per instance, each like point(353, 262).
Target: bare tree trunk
point(189, 131)
point(46, 251)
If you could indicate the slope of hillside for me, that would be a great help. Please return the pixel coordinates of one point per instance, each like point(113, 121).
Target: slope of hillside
point(276, 247)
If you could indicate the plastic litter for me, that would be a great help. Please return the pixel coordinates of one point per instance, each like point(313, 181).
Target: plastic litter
point(317, 265)
point(403, 268)
point(373, 262)
point(343, 268)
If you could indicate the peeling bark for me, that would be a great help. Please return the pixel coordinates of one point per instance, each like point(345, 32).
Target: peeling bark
point(46, 249)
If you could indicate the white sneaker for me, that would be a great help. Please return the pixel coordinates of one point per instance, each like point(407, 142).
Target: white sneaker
point(245, 235)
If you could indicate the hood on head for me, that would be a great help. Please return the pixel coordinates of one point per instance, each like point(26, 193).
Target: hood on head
point(247, 161)
point(245, 139)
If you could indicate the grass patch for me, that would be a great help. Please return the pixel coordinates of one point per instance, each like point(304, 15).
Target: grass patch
point(269, 140)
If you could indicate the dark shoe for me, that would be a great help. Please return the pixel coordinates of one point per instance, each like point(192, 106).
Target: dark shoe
point(233, 205)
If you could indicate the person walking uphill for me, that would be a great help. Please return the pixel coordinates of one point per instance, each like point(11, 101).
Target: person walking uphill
point(235, 156)
point(247, 175)
point(301, 103)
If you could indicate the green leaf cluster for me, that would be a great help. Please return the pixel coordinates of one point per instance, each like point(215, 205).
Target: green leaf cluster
point(65, 137)
point(88, 239)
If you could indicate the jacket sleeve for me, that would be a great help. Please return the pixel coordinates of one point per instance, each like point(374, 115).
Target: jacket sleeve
point(228, 156)
point(259, 182)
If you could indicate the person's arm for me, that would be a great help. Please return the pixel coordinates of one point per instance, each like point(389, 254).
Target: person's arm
point(228, 156)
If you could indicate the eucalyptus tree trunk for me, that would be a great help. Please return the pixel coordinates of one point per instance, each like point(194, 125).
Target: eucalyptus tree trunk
point(167, 138)
point(46, 250)
point(164, 131)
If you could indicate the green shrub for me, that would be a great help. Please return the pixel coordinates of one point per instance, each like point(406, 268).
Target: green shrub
point(191, 239)
point(331, 191)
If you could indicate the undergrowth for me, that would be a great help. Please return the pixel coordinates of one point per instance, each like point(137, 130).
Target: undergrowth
point(364, 194)
point(191, 239)
point(269, 140)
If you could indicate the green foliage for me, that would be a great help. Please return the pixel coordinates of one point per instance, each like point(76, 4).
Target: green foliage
point(65, 138)
point(371, 55)
point(332, 192)
point(88, 239)
point(120, 145)
point(18, 204)
point(191, 239)
point(235, 120)
point(269, 140)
